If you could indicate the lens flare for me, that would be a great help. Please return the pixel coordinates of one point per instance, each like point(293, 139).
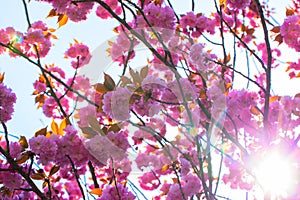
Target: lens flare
point(276, 175)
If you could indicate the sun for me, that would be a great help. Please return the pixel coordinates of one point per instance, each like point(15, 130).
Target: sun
point(275, 174)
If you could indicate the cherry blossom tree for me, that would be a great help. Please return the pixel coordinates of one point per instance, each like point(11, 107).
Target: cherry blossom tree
point(186, 107)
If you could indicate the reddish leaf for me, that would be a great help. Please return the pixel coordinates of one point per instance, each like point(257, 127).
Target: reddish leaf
point(99, 87)
point(109, 83)
point(297, 95)
point(38, 176)
point(52, 13)
point(115, 128)
point(275, 29)
point(23, 142)
point(42, 131)
point(23, 158)
point(279, 39)
point(289, 12)
point(53, 170)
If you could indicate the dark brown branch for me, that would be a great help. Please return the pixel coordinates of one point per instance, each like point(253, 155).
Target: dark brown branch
point(92, 170)
point(269, 67)
point(76, 176)
point(19, 170)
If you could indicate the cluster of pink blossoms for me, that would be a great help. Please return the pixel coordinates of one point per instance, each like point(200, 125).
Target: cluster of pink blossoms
point(118, 192)
point(156, 16)
point(104, 14)
point(294, 69)
point(55, 149)
point(76, 11)
point(37, 36)
point(290, 31)
point(197, 24)
point(116, 104)
point(161, 19)
point(81, 54)
point(238, 4)
point(7, 100)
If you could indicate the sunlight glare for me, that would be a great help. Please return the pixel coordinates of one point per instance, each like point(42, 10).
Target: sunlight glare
point(275, 175)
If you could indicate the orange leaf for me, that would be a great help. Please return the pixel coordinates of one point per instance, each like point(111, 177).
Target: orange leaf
point(45, 183)
point(274, 98)
point(254, 110)
point(51, 29)
point(62, 20)
point(100, 88)
point(64, 123)
point(96, 191)
point(54, 37)
point(1, 77)
point(54, 127)
point(165, 168)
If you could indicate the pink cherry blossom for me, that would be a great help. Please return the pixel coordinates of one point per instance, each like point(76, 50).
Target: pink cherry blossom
point(290, 31)
point(7, 100)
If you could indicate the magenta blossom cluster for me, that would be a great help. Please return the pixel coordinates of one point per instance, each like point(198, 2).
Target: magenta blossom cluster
point(37, 36)
point(7, 100)
point(290, 31)
point(238, 4)
point(56, 149)
point(76, 11)
point(118, 192)
point(197, 24)
point(80, 53)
